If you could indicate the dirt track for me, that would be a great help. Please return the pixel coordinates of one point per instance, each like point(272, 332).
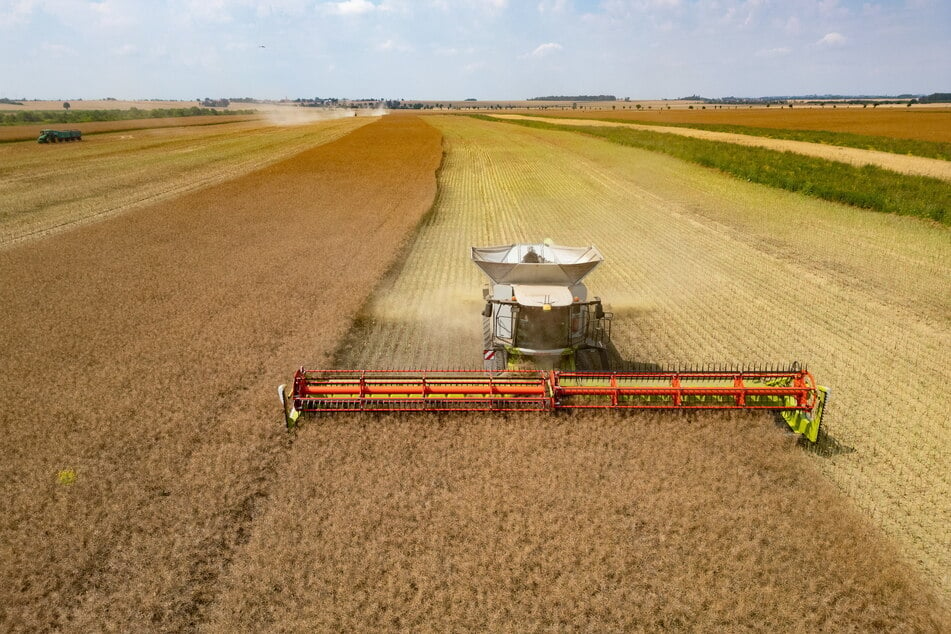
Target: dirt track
point(915, 165)
point(143, 353)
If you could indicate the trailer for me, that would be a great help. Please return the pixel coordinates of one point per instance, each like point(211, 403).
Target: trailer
point(59, 136)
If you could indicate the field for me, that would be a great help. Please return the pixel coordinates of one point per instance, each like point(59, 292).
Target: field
point(914, 165)
point(46, 187)
point(593, 523)
point(30, 132)
point(923, 123)
point(771, 276)
point(151, 485)
point(97, 104)
point(164, 332)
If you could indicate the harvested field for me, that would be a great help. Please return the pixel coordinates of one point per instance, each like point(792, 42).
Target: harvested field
point(138, 365)
point(30, 132)
point(46, 188)
point(924, 123)
point(534, 523)
point(916, 165)
point(703, 268)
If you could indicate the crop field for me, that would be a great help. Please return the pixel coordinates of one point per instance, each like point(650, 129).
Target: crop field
point(96, 104)
point(139, 360)
point(925, 124)
point(703, 269)
point(151, 486)
point(46, 187)
point(915, 165)
point(29, 132)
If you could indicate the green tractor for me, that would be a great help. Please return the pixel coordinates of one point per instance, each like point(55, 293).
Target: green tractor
point(59, 136)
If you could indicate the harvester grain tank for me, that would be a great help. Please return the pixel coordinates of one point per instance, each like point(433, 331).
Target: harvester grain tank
point(59, 136)
point(537, 312)
point(545, 347)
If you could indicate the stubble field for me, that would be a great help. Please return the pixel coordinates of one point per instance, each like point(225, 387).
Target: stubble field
point(191, 509)
point(50, 187)
point(13, 133)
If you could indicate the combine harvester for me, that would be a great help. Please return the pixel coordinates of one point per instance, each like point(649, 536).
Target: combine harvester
point(546, 348)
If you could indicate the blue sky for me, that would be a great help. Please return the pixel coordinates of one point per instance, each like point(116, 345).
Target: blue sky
point(487, 49)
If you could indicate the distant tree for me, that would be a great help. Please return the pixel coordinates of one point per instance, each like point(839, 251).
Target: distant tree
point(66, 106)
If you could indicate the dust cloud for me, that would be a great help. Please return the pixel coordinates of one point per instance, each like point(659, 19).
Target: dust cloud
point(289, 116)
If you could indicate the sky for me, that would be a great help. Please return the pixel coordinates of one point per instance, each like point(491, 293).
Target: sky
point(483, 49)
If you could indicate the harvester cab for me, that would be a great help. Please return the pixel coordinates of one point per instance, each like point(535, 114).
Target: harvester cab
point(537, 312)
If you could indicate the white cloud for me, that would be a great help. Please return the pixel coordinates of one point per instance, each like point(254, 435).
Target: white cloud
point(552, 6)
point(280, 7)
point(351, 7)
point(392, 46)
point(17, 13)
point(792, 25)
point(57, 50)
point(831, 39)
point(543, 50)
point(774, 52)
point(832, 8)
point(111, 15)
point(212, 11)
point(125, 50)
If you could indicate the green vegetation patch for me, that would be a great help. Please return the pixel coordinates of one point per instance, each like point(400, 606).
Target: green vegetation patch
point(868, 187)
point(21, 117)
